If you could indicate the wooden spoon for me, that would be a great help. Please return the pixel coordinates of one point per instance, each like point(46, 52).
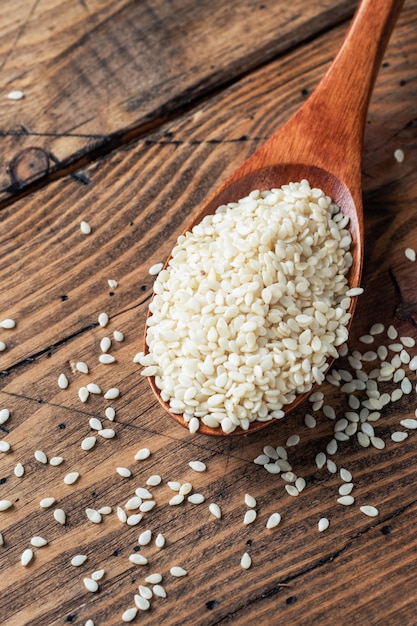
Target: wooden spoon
point(322, 142)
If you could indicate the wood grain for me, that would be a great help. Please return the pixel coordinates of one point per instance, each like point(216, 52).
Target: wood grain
point(95, 73)
point(54, 283)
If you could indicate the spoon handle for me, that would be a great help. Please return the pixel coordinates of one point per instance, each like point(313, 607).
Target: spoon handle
point(327, 131)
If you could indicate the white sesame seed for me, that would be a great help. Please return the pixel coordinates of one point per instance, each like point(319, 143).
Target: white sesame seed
point(134, 520)
point(78, 560)
point(155, 269)
point(409, 423)
point(176, 500)
point(143, 493)
point(93, 388)
point(71, 478)
point(273, 520)
point(5, 504)
point(4, 446)
point(309, 421)
point(250, 500)
point(399, 436)
point(142, 454)
point(103, 319)
point(159, 591)
point(82, 367)
point(85, 227)
point(89, 622)
point(27, 556)
point(19, 470)
point(110, 413)
point(121, 515)
point(142, 603)
point(320, 460)
point(196, 498)
point(355, 291)
point(346, 500)
point(143, 540)
point(329, 411)
point(45, 503)
point(399, 155)
point(391, 332)
point(4, 415)
point(377, 329)
point(83, 394)
point(197, 466)
point(112, 394)
point(90, 584)
point(3, 346)
point(124, 472)
point(138, 559)
point(160, 540)
point(106, 358)
point(185, 489)
point(41, 457)
point(371, 511)
point(293, 440)
point(249, 517)
point(98, 574)
point(118, 336)
point(107, 433)
point(133, 503)
point(245, 561)
point(95, 423)
point(154, 480)
point(331, 447)
point(153, 579)
point(291, 490)
point(105, 510)
point(363, 439)
point(16, 94)
point(88, 443)
point(272, 468)
point(1, 540)
point(323, 524)
point(63, 381)
point(129, 614)
point(38, 542)
point(345, 489)
point(60, 516)
point(331, 466)
point(193, 425)
point(412, 364)
point(112, 283)
point(93, 515)
point(300, 484)
point(7, 324)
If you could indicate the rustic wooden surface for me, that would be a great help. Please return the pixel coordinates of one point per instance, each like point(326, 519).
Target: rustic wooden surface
point(136, 111)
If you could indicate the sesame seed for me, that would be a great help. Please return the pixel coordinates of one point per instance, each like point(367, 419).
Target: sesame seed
point(93, 388)
point(155, 269)
point(143, 493)
point(309, 421)
point(90, 584)
point(142, 603)
point(60, 516)
point(95, 423)
point(346, 500)
point(85, 227)
point(124, 472)
point(176, 500)
point(103, 319)
point(105, 510)
point(154, 480)
point(7, 324)
point(245, 561)
point(159, 591)
point(160, 540)
point(82, 367)
point(250, 500)
point(3, 346)
point(273, 520)
point(293, 440)
point(19, 470)
point(4, 446)
point(197, 466)
point(143, 540)
point(345, 475)
point(399, 436)
point(88, 443)
point(320, 460)
point(27, 556)
point(107, 359)
point(4, 415)
point(93, 515)
point(41, 457)
point(5, 504)
point(371, 511)
point(45, 503)
point(71, 478)
point(78, 560)
point(112, 283)
point(107, 433)
point(249, 517)
point(345, 489)
point(63, 381)
point(291, 490)
point(16, 94)
point(153, 579)
point(98, 574)
point(121, 515)
point(38, 542)
point(142, 454)
point(112, 394)
point(323, 524)
point(129, 614)
point(409, 423)
point(196, 498)
point(110, 413)
point(399, 155)
point(83, 394)
point(118, 335)
point(355, 291)
point(138, 559)
point(215, 510)
point(331, 466)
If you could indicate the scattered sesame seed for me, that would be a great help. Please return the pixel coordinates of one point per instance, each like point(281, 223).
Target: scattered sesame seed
point(4, 446)
point(60, 516)
point(103, 319)
point(90, 584)
point(63, 381)
point(371, 511)
point(399, 436)
point(249, 517)
point(45, 503)
point(112, 394)
point(142, 454)
point(323, 524)
point(78, 560)
point(105, 510)
point(106, 358)
point(138, 559)
point(293, 491)
point(5, 504)
point(27, 556)
point(4, 415)
point(160, 540)
point(155, 269)
point(16, 94)
point(93, 388)
point(177, 571)
point(107, 433)
point(98, 574)
point(250, 500)
point(154, 480)
point(399, 155)
point(346, 500)
point(82, 367)
point(88, 443)
point(355, 291)
point(129, 614)
point(144, 539)
point(142, 603)
point(56, 460)
point(124, 472)
point(7, 324)
point(19, 470)
point(159, 591)
point(85, 227)
point(118, 335)
point(153, 579)
point(41, 457)
point(215, 510)
point(410, 254)
point(83, 394)
point(197, 466)
point(345, 489)
point(38, 542)
point(93, 515)
point(112, 283)
point(245, 561)
point(3, 346)
point(196, 498)
point(176, 500)
point(71, 478)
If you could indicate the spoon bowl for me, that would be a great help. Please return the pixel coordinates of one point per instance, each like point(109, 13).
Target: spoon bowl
point(322, 143)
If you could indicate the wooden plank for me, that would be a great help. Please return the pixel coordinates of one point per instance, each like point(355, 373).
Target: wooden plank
point(137, 201)
point(96, 73)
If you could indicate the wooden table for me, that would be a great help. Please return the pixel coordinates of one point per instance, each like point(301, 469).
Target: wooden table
point(132, 112)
